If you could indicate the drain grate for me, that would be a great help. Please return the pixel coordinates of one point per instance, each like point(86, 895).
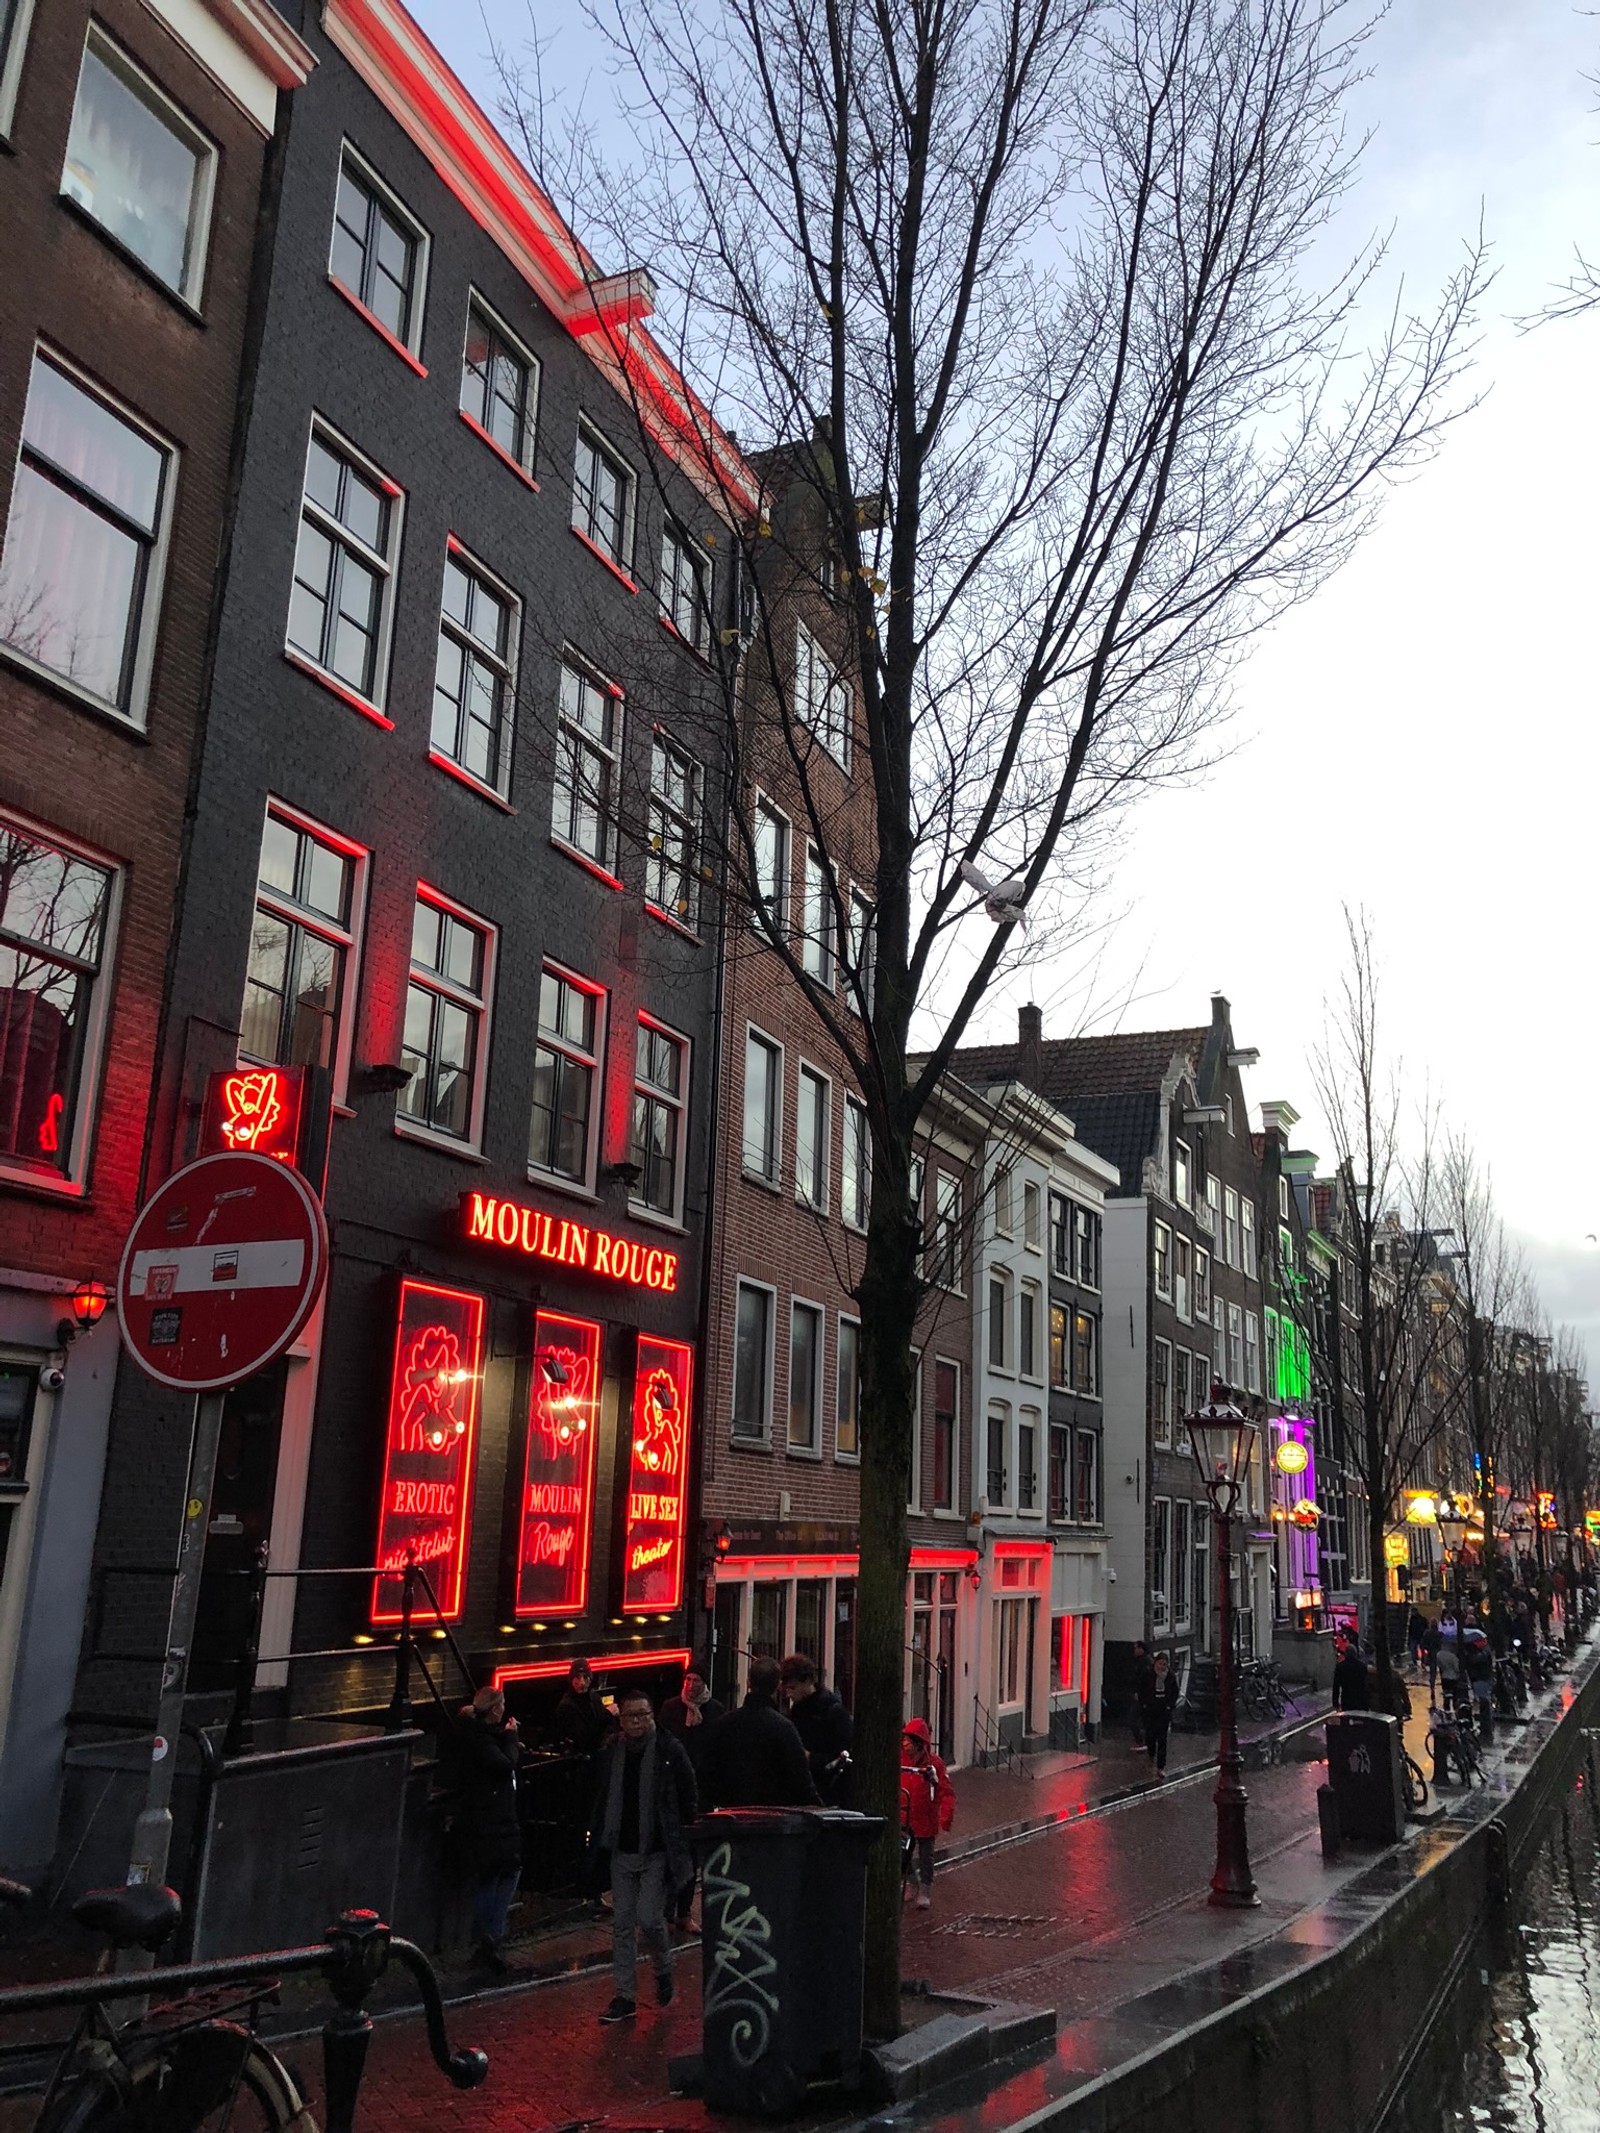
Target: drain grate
point(995, 1925)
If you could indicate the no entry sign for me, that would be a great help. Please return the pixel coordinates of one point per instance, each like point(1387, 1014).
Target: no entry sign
point(221, 1270)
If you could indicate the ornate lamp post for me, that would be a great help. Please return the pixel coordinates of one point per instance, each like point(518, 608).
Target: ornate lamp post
point(1452, 1531)
point(1221, 1438)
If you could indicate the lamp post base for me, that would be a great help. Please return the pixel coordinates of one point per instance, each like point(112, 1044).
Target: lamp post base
point(1232, 1885)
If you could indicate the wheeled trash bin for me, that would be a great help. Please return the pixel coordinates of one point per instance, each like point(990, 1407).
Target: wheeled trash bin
point(1364, 1769)
point(783, 1901)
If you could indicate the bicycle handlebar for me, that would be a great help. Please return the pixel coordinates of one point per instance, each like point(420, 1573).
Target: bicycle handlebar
point(466, 2068)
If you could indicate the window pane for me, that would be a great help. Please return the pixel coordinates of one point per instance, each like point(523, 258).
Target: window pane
point(69, 584)
point(316, 1001)
point(803, 1345)
point(847, 1434)
point(750, 1370)
point(129, 169)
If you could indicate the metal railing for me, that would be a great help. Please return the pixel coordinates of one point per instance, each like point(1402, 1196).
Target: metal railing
point(990, 1749)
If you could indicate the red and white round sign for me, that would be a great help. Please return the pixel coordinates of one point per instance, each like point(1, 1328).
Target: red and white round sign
point(221, 1270)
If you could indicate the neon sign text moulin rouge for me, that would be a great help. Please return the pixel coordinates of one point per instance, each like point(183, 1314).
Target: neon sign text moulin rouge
point(516, 1228)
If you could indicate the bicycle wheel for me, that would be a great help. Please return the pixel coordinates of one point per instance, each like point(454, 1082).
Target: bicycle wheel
point(1416, 1785)
point(172, 2086)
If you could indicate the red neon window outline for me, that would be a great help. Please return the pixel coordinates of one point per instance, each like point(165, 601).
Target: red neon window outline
point(658, 1478)
point(1086, 1654)
point(563, 1423)
point(430, 1439)
point(550, 1669)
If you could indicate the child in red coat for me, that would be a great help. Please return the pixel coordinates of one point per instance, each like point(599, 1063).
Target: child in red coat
point(927, 1804)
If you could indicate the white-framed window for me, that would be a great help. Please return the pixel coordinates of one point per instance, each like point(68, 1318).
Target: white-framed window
point(1011, 1653)
point(770, 839)
point(58, 914)
point(863, 954)
point(475, 672)
point(806, 1321)
point(1252, 1352)
point(1182, 1559)
point(822, 701)
point(1086, 1477)
point(1182, 1174)
point(300, 979)
point(602, 497)
point(1085, 1246)
point(847, 1407)
point(855, 1166)
point(1000, 1339)
point(672, 860)
point(1160, 1562)
point(1202, 1286)
point(946, 1432)
point(1230, 1225)
point(563, 1121)
point(15, 16)
point(1247, 1240)
point(1060, 1360)
point(997, 1454)
point(1031, 1230)
point(1183, 1382)
point(1061, 1212)
point(763, 1106)
point(660, 1110)
point(1085, 1352)
point(1000, 1199)
point(1163, 1259)
point(811, 1135)
point(446, 1045)
point(1182, 1276)
point(585, 804)
point(1161, 1393)
point(1214, 1207)
point(754, 1306)
point(1028, 1435)
point(499, 385)
point(138, 167)
point(946, 1229)
point(914, 1492)
point(1283, 1198)
point(1201, 1582)
point(686, 587)
point(816, 920)
point(1030, 1330)
point(1235, 1349)
point(341, 606)
point(378, 251)
point(85, 547)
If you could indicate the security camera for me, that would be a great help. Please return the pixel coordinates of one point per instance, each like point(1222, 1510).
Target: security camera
point(52, 1377)
point(1111, 1576)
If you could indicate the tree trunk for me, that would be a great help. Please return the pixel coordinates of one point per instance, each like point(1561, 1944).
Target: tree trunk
point(1377, 1520)
point(889, 1295)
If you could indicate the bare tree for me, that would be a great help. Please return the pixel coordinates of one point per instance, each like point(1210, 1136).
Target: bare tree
point(1027, 281)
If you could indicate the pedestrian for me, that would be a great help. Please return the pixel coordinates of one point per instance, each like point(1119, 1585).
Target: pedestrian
point(1351, 1689)
point(1141, 1674)
point(1478, 1661)
point(753, 1757)
point(582, 1722)
point(1158, 1700)
point(486, 1752)
point(644, 1800)
point(688, 1717)
point(1430, 1653)
point(927, 1805)
point(1449, 1663)
point(1417, 1638)
point(822, 1722)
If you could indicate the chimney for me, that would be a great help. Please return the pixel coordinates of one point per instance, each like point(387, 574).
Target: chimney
point(1219, 1011)
point(1030, 1046)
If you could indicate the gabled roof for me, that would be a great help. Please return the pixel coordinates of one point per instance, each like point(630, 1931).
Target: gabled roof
point(1123, 1129)
point(1074, 1067)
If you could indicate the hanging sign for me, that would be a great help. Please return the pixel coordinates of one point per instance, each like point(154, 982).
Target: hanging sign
point(558, 1474)
point(658, 1466)
point(432, 1427)
point(1291, 1457)
point(1395, 1551)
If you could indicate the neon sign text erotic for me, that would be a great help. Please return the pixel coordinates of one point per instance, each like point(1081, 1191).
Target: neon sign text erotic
point(652, 1543)
point(516, 1228)
point(428, 1452)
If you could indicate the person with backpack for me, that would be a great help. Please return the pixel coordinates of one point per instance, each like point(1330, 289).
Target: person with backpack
point(927, 1806)
point(1158, 1699)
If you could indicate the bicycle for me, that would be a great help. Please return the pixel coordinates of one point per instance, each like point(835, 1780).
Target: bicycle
point(1452, 1738)
point(189, 2065)
point(1416, 1785)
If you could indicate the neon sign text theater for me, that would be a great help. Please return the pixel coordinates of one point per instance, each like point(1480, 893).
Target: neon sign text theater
point(537, 1235)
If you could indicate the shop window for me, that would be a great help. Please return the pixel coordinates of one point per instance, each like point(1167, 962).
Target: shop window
point(562, 1130)
point(727, 1650)
point(1011, 1683)
point(499, 385)
point(80, 576)
point(844, 1640)
point(810, 1615)
point(475, 674)
point(660, 1103)
point(447, 1018)
point(300, 978)
point(138, 167)
point(769, 1617)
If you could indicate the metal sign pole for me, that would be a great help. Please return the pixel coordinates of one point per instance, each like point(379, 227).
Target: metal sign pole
point(152, 1833)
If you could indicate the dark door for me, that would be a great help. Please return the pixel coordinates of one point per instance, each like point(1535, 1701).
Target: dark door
point(241, 1523)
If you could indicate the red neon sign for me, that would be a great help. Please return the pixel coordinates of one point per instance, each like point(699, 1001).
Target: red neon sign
point(254, 1111)
point(658, 1466)
point(516, 1228)
point(558, 1475)
point(427, 1466)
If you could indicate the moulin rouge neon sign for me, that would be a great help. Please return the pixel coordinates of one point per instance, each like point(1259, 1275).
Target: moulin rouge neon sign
point(558, 1474)
point(427, 1467)
point(652, 1540)
point(537, 1235)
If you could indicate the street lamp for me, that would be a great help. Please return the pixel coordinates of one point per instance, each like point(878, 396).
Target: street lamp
point(1453, 1531)
point(1221, 1438)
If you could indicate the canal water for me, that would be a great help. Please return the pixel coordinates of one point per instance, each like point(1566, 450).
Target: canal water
point(1526, 2057)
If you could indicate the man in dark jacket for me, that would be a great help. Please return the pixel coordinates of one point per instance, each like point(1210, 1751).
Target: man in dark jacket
point(689, 1717)
point(823, 1724)
point(753, 1757)
point(643, 1801)
point(583, 1723)
point(1352, 1691)
point(487, 1752)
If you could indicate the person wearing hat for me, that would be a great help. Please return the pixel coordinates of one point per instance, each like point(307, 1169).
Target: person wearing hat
point(927, 1805)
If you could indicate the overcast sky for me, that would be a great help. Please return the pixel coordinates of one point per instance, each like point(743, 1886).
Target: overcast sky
point(1422, 737)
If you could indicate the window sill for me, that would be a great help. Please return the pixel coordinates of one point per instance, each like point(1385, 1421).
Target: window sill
point(677, 636)
point(657, 1220)
point(946, 1511)
point(856, 1229)
point(582, 859)
point(674, 925)
point(378, 327)
point(63, 686)
point(499, 450)
point(183, 304)
point(574, 1188)
point(749, 1444)
point(755, 1177)
point(429, 1137)
point(810, 1454)
point(846, 1458)
point(596, 550)
point(22, 1179)
point(335, 687)
point(453, 769)
point(819, 1208)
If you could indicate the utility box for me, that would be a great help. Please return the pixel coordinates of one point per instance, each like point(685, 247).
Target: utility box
point(783, 1908)
point(1367, 1774)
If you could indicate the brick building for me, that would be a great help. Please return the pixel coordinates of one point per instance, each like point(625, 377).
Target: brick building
point(448, 858)
point(136, 142)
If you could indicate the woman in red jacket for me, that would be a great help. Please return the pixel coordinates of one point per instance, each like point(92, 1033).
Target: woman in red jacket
point(927, 1804)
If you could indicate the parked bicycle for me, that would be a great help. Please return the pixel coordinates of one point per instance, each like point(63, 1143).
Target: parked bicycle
point(196, 2063)
point(1261, 1689)
point(1453, 1740)
point(1416, 1785)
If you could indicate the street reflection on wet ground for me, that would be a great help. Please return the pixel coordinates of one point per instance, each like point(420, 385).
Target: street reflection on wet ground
point(1532, 2062)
